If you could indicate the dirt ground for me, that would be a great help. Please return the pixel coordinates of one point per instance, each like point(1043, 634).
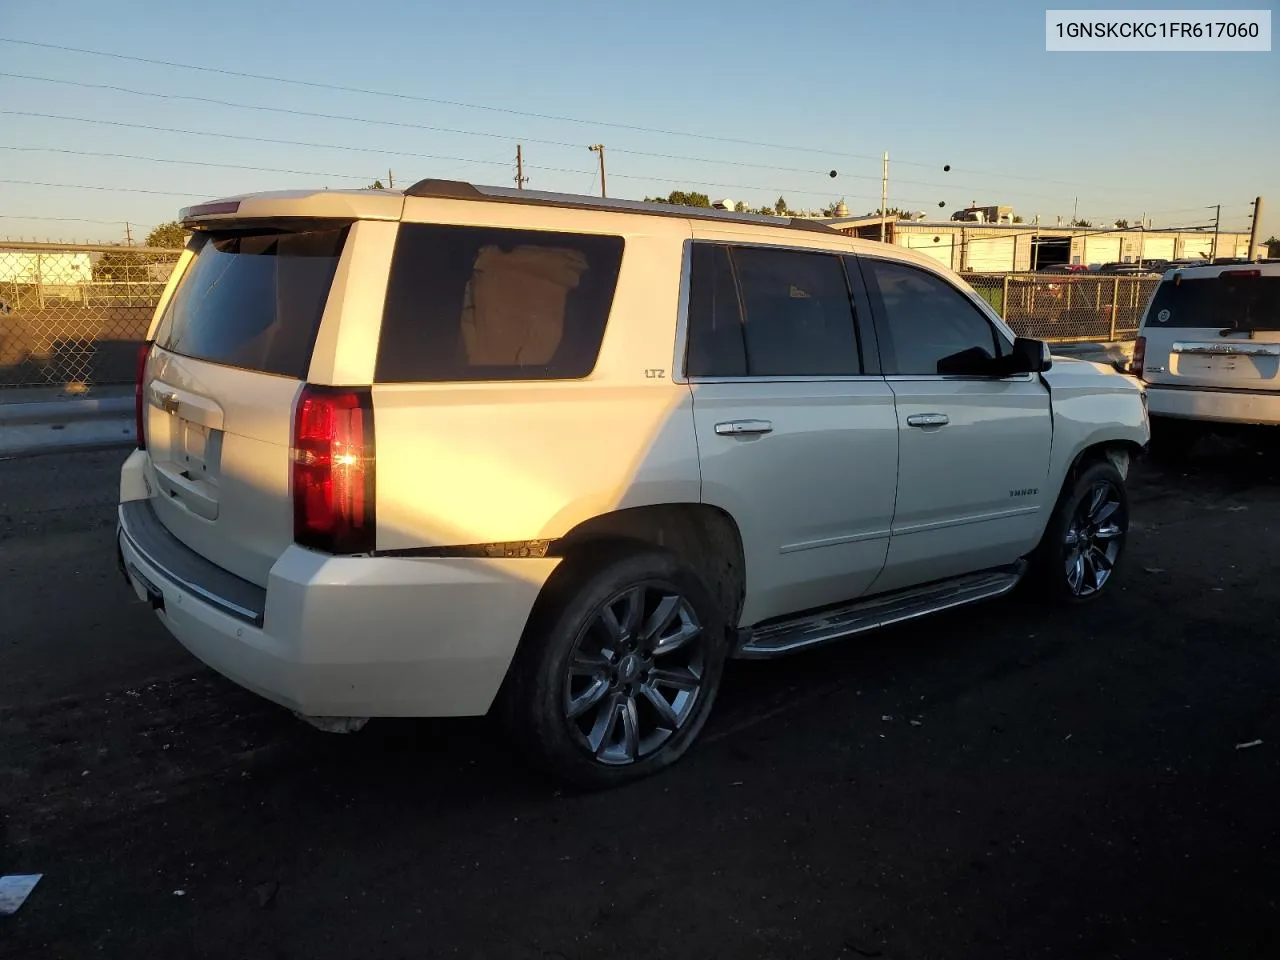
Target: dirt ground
point(1073, 785)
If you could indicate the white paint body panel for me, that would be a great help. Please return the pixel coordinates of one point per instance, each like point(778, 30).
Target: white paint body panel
point(961, 502)
point(813, 498)
point(360, 636)
point(1092, 404)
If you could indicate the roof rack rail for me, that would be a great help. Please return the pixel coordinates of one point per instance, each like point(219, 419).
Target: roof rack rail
point(461, 190)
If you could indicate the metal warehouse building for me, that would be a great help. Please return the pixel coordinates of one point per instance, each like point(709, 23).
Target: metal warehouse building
point(970, 247)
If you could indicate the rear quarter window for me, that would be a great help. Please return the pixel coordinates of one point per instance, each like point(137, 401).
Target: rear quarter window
point(480, 303)
point(254, 299)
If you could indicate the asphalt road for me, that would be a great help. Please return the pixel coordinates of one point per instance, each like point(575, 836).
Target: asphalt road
point(1073, 787)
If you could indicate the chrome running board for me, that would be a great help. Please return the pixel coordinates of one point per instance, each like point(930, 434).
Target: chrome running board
point(814, 629)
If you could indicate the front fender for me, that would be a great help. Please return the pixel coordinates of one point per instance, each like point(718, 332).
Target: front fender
point(1092, 405)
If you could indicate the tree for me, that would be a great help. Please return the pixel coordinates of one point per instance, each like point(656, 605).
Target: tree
point(682, 198)
point(1017, 218)
point(740, 207)
point(1081, 223)
point(1273, 246)
point(376, 185)
point(168, 236)
point(1122, 224)
point(128, 265)
point(780, 207)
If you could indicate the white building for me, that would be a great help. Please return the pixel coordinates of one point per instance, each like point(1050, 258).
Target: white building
point(974, 247)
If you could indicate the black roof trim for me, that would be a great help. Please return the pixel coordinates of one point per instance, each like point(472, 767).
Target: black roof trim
point(461, 190)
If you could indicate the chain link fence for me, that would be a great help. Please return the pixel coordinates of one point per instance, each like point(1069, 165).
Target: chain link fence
point(1064, 308)
point(72, 316)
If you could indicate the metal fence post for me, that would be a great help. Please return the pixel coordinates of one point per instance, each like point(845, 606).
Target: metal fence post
point(1115, 303)
point(1004, 298)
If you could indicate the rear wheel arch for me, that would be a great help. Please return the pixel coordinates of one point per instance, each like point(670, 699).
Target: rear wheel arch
point(703, 537)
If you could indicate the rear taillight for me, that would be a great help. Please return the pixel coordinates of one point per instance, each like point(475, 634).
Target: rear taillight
point(1240, 273)
point(1139, 357)
point(139, 394)
point(333, 463)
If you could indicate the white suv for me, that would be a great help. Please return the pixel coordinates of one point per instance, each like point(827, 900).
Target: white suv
point(457, 449)
point(1208, 351)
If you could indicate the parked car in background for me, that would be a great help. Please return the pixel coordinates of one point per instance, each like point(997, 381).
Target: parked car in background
point(454, 449)
point(1208, 351)
point(1126, 270)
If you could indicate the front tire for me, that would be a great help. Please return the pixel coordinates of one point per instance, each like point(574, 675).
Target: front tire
point(618, 669)
point(1084, 543)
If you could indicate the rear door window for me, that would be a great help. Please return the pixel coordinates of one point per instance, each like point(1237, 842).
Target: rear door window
point(482, 303)
point(1234, 300)
point(769, 312)
point(254, 299)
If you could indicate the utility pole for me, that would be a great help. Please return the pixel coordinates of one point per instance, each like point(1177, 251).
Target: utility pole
point(1217, 219)
point(391, 181)
point(1253, 228)
point(599, 148)
point(1142, 237)
point(128, 234)
point(1075, 211)
point(884, 193)
point(521, 179)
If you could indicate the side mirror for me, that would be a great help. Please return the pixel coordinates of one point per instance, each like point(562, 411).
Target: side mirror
point(1031, 356)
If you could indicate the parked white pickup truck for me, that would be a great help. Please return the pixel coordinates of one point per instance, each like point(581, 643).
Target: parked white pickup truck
point(454, 449)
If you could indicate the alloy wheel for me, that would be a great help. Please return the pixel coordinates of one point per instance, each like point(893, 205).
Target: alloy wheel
point(1094, 538)
point(635, 674)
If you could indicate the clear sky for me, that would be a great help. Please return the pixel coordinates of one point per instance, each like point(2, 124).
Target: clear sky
point(814, 85)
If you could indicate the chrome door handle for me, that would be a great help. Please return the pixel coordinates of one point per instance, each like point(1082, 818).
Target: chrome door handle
point(743, 428)
point(928, 420)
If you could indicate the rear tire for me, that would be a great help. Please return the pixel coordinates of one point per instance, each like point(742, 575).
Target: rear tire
point(1082, 548)
point(618, 669)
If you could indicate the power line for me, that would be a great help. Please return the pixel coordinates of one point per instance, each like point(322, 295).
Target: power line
point(112, 223)
point(952, 185)
point(87, 186)
point(312, 114)
point(196, 163)
point(256, 139)
point(318, 85)
point(292, 111)
point(768, 188)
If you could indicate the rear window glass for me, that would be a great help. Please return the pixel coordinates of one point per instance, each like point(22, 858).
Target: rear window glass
point(254, 299)
point(1221, 303)
point(481, 303)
